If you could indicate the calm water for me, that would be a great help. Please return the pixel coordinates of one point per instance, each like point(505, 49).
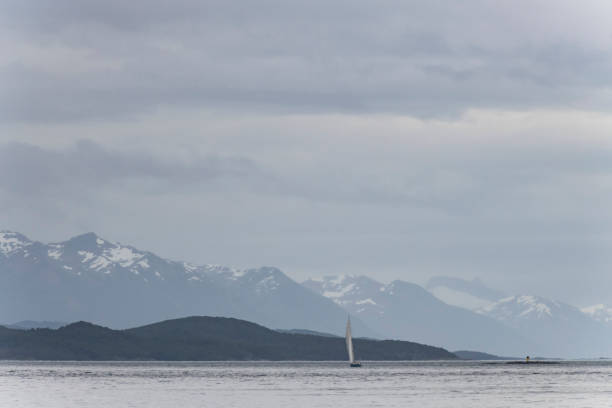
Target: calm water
point(407, 384)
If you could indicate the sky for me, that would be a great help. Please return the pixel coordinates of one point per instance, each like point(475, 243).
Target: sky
point(399, 140)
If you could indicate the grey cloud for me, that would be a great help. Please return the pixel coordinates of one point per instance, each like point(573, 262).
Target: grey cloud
point(467, 183)
point(419, 58)
point(37, 172)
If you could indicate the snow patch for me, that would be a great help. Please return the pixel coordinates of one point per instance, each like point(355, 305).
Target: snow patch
point(11, 242)
point(533, 306)
point(599, 312)
point(99, 263)
point(339, 279)
point(230, 273)
point(144, 264)
point(124, 256)
point(268, 284)
point(517, 308)
point(339, 293)
point(54, 253)
point(366, 301)
point(87, 256)
point(189, 267)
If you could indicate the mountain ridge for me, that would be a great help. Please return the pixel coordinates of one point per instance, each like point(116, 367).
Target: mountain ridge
point(198, 338)
point(405, 310)
point(91, 278)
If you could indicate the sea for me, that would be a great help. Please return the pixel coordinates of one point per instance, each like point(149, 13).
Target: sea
point(304, 384)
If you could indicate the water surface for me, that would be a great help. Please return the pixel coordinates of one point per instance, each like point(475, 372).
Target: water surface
point(299, 384)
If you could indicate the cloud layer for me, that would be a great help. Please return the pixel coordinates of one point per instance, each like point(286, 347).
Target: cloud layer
point(431, 59)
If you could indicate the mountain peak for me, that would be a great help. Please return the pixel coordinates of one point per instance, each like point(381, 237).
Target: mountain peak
point(344, 289)
point(12, 241)
point(530, 307)
point(88, 237)
point(85, 327)
point(600, 312)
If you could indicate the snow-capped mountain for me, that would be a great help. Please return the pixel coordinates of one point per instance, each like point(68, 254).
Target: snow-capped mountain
point(562, 329)
point(90, 278)
point(353, 293)
point(472, 295)
point(514, 325)
point(517, 310)
point(406, 311)
point(600, 313)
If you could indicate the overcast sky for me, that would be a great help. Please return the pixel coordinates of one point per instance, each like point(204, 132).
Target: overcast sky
point(399, 140)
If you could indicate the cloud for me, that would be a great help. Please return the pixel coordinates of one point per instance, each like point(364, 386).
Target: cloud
point(429, 59)
point(37, 172)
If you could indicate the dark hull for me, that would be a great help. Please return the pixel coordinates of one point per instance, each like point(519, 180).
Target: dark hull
point(355, 364)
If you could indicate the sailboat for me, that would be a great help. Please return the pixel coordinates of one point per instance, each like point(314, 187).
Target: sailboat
point(349, 345)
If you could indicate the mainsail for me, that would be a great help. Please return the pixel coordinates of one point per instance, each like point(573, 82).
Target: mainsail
point(349, 341)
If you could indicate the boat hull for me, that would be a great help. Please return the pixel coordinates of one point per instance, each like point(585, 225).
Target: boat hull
point(355, 364)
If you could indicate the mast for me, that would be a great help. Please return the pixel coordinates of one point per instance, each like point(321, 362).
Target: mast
point(349, 341)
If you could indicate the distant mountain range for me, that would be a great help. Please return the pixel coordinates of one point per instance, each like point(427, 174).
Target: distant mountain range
point(91, 278)
point(476, 355)
point(403, 310)
point(197, 339)
point(555, 328)
point(31, 324)
point(600, 312)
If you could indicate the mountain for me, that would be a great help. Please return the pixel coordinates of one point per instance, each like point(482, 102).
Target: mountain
point(308, 332)
point(600, 313)
point(517, 310)
point(197, 339)
point(477, 355)
point(407, 311)
point(31, 324)
point(558, 329)
point(463, 293)
point(91, 278)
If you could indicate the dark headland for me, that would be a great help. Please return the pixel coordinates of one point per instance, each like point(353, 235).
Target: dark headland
point(198, 339)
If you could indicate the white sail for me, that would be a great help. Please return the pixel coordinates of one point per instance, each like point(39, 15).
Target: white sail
point(349, 341)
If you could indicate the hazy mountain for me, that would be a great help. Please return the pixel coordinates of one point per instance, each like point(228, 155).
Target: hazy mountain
point(600, 313)
point(477, 355)
point(516, 310)
point(463, 293)
point(31, 324)
point(197, 338)
point(404, 310)
point(559, 329)
point(90, 278)
point(306, 332)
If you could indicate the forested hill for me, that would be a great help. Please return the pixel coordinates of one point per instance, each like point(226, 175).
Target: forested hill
point(197, 339)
